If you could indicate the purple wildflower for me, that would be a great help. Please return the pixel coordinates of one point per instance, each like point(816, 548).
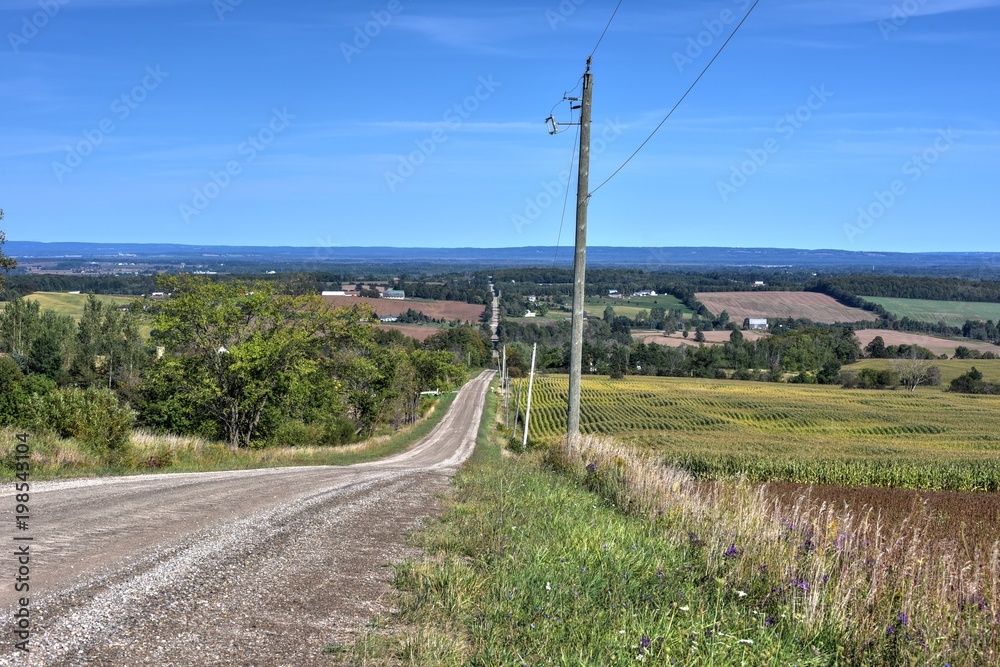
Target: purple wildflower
point(903, 618)
point(645, 643)
point(591, 468)
point(770, 621)
point(731, 552)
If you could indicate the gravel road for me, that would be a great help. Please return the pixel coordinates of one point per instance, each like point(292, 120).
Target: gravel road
point(260, 567)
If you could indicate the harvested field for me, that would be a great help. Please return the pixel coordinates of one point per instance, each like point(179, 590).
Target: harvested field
point(933, 343)
point(677, 339)
point(771, 305)
point(450, 310)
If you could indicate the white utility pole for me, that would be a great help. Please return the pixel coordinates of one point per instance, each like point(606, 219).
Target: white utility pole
point(527, 412)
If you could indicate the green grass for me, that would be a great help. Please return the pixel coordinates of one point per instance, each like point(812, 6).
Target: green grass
point(540, 561)
point(630, 307)
point(55, 458)
point(71, 304)
point(814, 434)
point(953, 313)
point(950, 368)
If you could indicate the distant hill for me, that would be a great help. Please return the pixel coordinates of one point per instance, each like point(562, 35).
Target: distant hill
point(463, 258)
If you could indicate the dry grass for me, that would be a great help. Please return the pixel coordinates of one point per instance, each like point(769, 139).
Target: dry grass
point(887, 588)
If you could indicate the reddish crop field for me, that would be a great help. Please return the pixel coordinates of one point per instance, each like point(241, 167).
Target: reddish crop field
point(450, 310)
point(969, 520)
point(811, 305)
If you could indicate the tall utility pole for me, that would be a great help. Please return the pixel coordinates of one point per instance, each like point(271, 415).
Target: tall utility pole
point(580, 262)
point(527, 412)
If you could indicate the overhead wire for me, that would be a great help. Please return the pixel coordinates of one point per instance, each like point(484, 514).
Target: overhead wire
point(610, 21)
point(683, 97)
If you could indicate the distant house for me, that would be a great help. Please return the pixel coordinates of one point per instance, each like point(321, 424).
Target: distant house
point(334, 293)
point(614, 294)
point(394, 294)
point(759, 283)
point(757, 325)
point(385, 319)
point(645, 292)
point(530, 314)
point(532, 299)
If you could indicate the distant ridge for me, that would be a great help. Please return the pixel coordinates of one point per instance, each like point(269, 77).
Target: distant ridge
point(541, 256)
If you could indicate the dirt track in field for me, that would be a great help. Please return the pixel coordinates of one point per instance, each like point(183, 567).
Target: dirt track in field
point(261, 567)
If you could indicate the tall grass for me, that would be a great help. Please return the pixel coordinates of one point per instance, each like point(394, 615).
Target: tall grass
point(607, 557)
point(893, 595)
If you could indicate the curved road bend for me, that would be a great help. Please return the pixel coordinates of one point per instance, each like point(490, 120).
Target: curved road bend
point(257, 567)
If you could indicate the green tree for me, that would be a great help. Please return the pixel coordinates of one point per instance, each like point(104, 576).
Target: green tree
point(609, 314)
point(20, 324)
point(250, 345)
point(7, 264)
point(876, 349)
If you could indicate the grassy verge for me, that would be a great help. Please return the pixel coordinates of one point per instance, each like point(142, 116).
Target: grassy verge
point(56, 458)
point(550, 561)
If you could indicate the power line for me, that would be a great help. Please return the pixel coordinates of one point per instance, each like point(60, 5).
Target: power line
point(683, 97)
point(569, 179)
point(601, 39)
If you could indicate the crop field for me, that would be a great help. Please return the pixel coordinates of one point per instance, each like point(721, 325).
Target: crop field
point(676, 339)
point(935, 344)
point(450, 310)
point(953, 313)
point(71, 304)
point(810, 305)
point(928, 439)
point(595, 305)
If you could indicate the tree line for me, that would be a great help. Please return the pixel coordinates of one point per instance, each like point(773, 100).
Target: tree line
point(231, 360)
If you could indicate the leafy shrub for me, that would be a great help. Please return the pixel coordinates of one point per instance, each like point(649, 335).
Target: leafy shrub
point(92, 416)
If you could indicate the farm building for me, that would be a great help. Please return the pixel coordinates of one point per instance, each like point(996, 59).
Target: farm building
point(757, 325)
point(529, 314)
point(614, 294)
point(334, 293)
point(646, 292)
point(532, 299)
point(385, 319)
point(396, 294)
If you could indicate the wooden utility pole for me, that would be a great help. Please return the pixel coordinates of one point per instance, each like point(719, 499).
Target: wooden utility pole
point(580, 262)
point(527, 412)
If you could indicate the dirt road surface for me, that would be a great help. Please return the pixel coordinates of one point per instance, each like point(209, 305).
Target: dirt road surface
point(260, 567)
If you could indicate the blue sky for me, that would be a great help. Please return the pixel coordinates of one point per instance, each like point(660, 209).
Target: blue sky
point(853, 124)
